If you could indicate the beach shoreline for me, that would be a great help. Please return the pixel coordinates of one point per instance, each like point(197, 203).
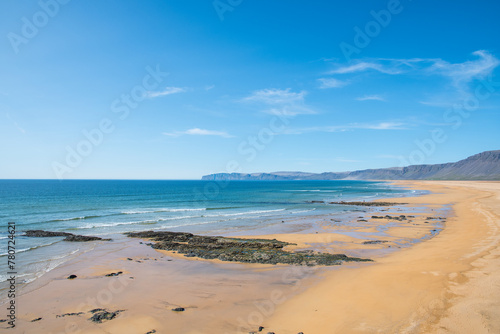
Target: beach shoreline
point(444, 285)
point(224, 297)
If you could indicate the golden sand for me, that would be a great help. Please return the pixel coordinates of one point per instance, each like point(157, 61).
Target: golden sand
point(449, 284)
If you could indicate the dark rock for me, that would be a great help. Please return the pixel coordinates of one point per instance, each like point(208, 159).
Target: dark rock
point(374, 242)
point(129, 259)
point(270, 332)
point(100, 316)
point(400, 218)
point(45, 234)
point(72, 276)
point(368, 203)
point(96, 310)
point(152, 331)
point(179, 309)
point(114, 274)
point(68, 236)
point(68, 314)
point(261, 328)
point(83, 238)
point(37, 319)
point(238, 250)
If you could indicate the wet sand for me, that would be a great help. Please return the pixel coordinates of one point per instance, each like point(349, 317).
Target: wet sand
point(449, 283)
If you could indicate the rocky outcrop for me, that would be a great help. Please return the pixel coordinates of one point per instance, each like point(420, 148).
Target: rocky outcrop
point(367, 203)
point(482, 166)
point(238, 250)
point(69, 314)
point(44, 234)
point(100, 315)
point(400, 218)
point(374, 242)
point(68, 236)
point(179, 309)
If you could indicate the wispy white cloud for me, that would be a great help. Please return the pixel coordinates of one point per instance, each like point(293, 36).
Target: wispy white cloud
point(198, 132)
point(166, 91)
point(362, 66)
point(462, 74)
point(280, 101)
point(276, 96)
point(459, 73)
point(290, 110)
point(381, 126)
point(349, 127)
point(440, 102)
point(332, 83)
point(370, 97)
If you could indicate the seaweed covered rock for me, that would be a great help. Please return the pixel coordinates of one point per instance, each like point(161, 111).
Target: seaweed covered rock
point(268, 251)
point(368, 203)
point(68, 236)
point(100, 315)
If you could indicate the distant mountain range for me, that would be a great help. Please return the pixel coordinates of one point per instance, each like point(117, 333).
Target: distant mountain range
point(482, 166)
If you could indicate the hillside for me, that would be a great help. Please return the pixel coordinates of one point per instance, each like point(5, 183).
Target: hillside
point(482, 166)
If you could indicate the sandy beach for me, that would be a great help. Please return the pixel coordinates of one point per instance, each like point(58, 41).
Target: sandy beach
point(448, 283)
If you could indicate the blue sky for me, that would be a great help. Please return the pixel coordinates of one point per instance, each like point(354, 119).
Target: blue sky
point(179, 89)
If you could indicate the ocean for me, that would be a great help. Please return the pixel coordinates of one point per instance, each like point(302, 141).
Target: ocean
point(107, 208)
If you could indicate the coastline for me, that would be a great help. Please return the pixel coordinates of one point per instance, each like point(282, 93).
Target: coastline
point(221, 296)
point(444, 285)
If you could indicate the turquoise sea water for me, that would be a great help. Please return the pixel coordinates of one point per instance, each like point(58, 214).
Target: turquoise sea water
point(107, 208)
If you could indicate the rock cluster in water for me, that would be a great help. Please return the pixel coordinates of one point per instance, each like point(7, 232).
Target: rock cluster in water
point(68, 236)
point(368, 203)
point(238, 250)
